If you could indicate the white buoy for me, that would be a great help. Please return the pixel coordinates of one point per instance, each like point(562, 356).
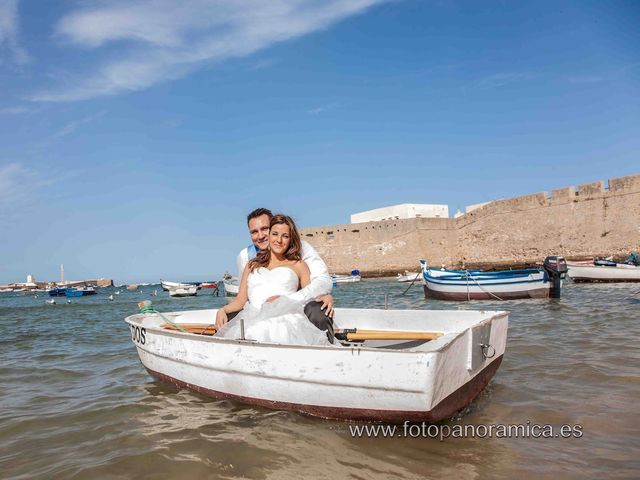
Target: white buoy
point(110, 297)
point(51, 301)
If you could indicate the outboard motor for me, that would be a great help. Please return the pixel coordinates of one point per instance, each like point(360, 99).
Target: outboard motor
point(556, 268)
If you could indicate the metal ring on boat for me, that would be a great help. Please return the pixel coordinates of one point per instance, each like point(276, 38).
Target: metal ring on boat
point(486, 348)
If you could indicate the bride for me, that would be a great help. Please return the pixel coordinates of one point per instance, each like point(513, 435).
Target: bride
point(269, 314)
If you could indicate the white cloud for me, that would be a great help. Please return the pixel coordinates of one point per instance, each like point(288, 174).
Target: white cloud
point(501, 79)
point(322, 108)
point(71, 127)
point(9, 31)
point(264, 63)
point(14, 110)
point(160, 40)
point(18, 186)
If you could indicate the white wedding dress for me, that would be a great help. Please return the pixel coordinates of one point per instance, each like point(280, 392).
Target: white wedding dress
point(281, 321)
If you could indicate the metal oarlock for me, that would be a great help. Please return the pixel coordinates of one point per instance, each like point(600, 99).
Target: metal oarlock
point(486, 348)
point(242, 328)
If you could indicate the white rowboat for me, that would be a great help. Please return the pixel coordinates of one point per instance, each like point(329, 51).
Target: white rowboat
point(622, 272)
point(184, 291)
point(383, 380)
point(409, 276)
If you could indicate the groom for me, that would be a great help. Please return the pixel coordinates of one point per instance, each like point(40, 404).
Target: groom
point(317, 295)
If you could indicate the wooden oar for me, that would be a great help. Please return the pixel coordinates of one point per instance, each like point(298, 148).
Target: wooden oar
point(349, 334)
point(356, 334)
point(198, 328)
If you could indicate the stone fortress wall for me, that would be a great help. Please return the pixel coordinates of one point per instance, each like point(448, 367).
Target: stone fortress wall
point(594, 219)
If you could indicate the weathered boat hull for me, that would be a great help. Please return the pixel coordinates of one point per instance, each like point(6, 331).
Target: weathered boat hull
point(475, 293)
point(427, 382)
point(448, 407)
point(601, 273)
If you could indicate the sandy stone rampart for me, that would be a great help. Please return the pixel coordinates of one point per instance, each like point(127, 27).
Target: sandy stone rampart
point(594, 219)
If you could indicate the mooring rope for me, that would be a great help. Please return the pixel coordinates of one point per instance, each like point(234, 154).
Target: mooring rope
point(411, 285)
point(145, 307)
point(468, 275)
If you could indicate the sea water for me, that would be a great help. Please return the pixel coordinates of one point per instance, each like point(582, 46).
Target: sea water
point(75, 402)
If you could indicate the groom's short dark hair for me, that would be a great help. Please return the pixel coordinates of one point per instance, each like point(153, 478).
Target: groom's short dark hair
point(258, 212)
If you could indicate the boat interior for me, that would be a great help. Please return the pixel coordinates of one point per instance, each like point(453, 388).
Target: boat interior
point(386, 329)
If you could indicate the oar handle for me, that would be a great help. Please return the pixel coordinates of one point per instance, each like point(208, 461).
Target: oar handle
point(355, 334)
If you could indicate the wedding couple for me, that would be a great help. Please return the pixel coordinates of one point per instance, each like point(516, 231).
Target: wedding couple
point(285, 288)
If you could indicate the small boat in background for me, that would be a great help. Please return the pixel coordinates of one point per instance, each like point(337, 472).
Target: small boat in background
point(212, 285)
point(231, 285)
point(80, 292)
point(184, 291)
point(542, 282)
point(166, 285)
point(408, 276)
point(354, 277)
point(58, 292)
point(608, 272)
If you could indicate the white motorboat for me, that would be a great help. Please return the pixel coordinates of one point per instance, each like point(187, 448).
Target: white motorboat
point(184, 291)
point(231, 286)
point(409, 276)
point(345, 278)
point(620, 272)
point(418, 365)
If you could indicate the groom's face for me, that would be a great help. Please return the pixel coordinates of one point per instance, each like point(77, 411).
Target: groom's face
point(259, 231)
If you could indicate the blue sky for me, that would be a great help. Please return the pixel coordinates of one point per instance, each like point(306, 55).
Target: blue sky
point(136, 135)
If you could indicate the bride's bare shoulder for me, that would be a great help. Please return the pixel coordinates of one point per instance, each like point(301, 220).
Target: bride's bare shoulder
point(300, 267)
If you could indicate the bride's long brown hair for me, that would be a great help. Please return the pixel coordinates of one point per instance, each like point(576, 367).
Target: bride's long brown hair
point(295, 244)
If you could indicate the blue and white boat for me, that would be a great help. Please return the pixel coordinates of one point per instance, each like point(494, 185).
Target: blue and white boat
point(543, 282)
point(58, 292)
point(80, 292)
point(354, 277)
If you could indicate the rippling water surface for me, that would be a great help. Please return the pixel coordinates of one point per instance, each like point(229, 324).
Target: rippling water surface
point(75, 402)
